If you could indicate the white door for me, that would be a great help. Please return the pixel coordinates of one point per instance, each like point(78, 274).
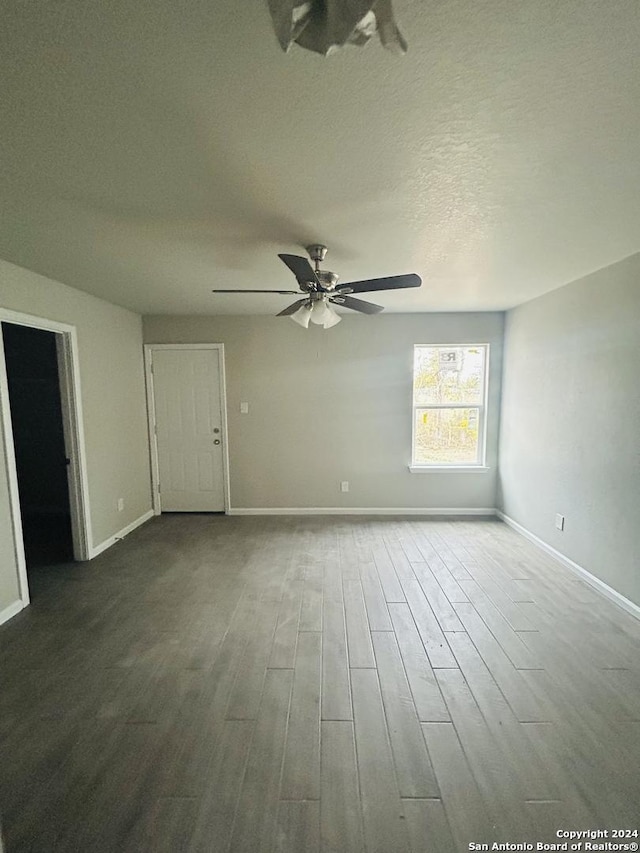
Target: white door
point(189, 429)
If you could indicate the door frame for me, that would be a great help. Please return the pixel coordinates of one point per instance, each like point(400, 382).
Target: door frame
point(72, 423)
point(151, 417)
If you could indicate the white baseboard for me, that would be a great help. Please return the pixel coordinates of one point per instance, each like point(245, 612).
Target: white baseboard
point(602, 587)
point(367, 510)
point(11, 611)
point(98, 549)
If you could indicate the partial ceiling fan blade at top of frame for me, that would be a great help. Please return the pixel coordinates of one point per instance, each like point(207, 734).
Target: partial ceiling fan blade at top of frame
point(301, 268)
point(393, 282)
point(358, 305)
point(291, 309)
point(284, 292)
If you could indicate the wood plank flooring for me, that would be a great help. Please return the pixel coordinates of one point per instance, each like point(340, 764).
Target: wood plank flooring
point(315, 685)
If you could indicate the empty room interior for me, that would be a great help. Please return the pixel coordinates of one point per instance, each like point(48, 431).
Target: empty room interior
point(319, 406)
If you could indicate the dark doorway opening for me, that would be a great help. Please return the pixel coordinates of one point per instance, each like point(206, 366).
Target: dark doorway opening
point(38, 435)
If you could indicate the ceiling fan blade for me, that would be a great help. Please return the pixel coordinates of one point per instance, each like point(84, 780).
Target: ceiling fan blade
point(301, 268)
point(291, 309)
point(393, 282)
point(286, 292)
point(358, 304)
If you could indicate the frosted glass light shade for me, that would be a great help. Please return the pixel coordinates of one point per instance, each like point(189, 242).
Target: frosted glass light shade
point(302, 316)
point(319, 312)
point(323, 314)
point(332, 318)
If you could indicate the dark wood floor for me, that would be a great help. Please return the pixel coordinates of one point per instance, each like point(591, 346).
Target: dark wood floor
point(304, 684)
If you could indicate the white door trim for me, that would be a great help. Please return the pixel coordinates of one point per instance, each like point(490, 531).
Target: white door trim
point(151, 408)
point(69, 371)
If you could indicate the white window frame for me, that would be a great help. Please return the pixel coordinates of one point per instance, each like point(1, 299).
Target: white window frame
point(476, 467)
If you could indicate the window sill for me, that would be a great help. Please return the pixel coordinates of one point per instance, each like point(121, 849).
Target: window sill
point(450, 469)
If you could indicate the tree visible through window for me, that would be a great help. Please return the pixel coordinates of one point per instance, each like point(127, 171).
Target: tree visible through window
point(449, 404)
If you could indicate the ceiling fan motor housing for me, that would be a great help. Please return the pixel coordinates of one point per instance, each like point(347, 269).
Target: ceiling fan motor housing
point(328, 280)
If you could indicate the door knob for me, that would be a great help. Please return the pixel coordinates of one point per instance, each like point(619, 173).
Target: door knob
point(216, 441)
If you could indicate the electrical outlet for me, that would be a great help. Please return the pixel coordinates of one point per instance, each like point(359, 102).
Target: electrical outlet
point(559, 521)
point(344, 486)
point(244, 408)
point(120, 504)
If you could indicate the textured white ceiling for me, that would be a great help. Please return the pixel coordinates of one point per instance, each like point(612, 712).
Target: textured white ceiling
point(153, 150)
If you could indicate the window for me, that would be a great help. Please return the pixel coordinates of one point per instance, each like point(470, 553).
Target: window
point(449, 406)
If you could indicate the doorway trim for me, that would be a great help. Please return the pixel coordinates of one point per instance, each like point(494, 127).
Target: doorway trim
point(71, 400)
point(151, 409)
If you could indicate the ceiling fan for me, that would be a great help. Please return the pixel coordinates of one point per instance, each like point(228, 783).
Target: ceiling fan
point(321, 290)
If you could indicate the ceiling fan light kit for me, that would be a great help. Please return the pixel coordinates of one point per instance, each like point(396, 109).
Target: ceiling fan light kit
point(322, 291)
point(317, 311)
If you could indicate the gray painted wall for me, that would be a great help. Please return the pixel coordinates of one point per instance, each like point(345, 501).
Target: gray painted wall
point(570, 428)
point(335, 405)
point(113, 401)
